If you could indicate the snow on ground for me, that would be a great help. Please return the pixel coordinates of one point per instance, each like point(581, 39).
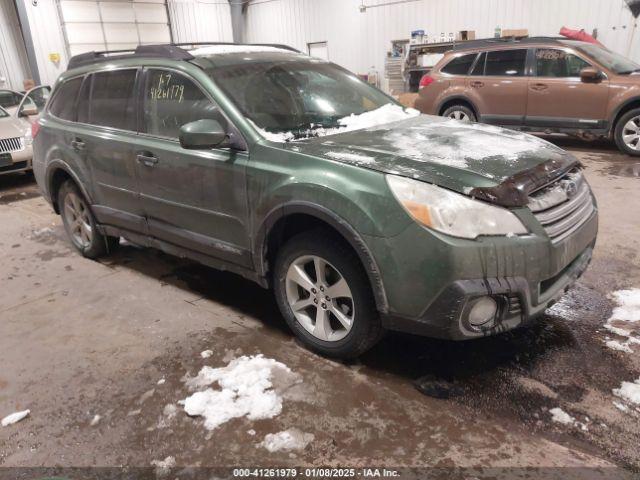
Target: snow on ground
point(14, 418)
point(385, 114)
point(206, 353)
point(95, 420)
point(164, 465)
point(560, 416)
point(628, 309)
point(291, 439)
point(250, 386)
point(629, 391)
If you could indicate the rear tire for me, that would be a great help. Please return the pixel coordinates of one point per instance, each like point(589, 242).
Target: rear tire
point(80, 223)
point(334, 315)
point(627, 133)
point(461, 113)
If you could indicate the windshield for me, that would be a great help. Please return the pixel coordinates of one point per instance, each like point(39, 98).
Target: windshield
point(608, 59)
point(3, 113)
point(296, 96)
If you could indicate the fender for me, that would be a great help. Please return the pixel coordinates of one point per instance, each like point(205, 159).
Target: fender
point(459, 97)
point(58, 164)
point(335, 221)
point(621, 107)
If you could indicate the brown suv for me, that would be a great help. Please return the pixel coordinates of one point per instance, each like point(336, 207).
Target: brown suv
point(540, 85)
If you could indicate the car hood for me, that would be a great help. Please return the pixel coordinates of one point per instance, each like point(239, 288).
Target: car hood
point(10, 127)
point(466, 157)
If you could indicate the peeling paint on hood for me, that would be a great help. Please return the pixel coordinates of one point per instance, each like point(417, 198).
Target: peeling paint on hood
point(433, 149)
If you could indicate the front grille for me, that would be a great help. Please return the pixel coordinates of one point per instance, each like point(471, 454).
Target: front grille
point(8, 145)
point(563, 206)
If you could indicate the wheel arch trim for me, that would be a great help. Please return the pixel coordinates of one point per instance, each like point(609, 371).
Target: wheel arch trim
point(335, 221)
point(56, 165)
point(458, 97)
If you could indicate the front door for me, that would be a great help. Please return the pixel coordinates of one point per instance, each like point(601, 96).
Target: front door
point(498, 86)
point(192, 198)
point(558, 98)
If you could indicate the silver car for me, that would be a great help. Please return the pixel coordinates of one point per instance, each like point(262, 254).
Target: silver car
point(15, 130)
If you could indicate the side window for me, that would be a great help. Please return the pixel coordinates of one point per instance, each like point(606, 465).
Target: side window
point(64, 102)
point(172, 100)
point(83, 100)
point(460, 65)
point(558, 63)
point(478, 68)
point(9, 99)
point(509, 63)
point(112, 102)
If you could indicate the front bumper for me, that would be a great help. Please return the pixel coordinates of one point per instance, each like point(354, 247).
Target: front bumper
point(21, 161)
point(429, 291)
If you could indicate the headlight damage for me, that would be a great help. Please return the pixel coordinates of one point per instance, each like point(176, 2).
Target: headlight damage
point(452, 213)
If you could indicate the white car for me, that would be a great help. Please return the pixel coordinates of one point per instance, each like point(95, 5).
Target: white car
point(15, 130)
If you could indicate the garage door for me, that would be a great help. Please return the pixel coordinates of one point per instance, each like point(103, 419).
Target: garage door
point(113, 25)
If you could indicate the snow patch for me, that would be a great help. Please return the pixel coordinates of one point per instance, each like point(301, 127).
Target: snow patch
point(95, 420)
point(222, 49)
point(251, 386)
point(616, 345)
point(163, 466)
point(161, 381)
point(14, 417)
point(352, 157)
point(291, 439)
point(206, 353)
point(629, 391)
point(385, 114)
point(560, 416)
point(628, 309)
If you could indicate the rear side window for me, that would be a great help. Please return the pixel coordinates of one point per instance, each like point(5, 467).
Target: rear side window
point(63, 104)
point(551, 62)
point(172, 100)
point(112, 102)
point(509, 63)
point(459, 65)
point(478, 68)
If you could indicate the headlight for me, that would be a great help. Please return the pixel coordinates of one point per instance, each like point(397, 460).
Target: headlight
point(452, 213)
point(28, 139)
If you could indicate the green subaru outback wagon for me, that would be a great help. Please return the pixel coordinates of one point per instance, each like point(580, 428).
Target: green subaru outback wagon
point(361, 215)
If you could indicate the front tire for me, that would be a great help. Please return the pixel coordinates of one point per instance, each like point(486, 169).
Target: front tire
point(81, 225)
point(324, 295)
point(627, 133)
point(460, 112)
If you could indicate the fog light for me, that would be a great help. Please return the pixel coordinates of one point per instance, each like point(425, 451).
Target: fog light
point(483, 312)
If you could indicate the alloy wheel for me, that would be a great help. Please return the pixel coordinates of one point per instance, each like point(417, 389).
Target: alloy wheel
point(459, 115)
point(320, 298)
point(631, 133)
point(78, 220)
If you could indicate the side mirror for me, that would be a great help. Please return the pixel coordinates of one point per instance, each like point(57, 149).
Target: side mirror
point(28, 112)
point(590, 74)
point(203, 134)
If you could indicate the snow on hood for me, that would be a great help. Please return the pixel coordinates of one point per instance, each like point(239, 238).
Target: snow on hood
point(386, 114)
point(222, 49)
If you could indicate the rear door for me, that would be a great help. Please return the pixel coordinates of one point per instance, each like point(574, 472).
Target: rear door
point(106, 113)
point(192, 198)
point(558, 98)
point(497, 85)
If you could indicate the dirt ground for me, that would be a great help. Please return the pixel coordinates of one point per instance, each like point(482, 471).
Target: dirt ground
point(80, 338)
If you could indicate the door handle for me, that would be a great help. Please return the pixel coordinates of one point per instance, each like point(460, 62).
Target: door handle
point(539, 87)
point(77, 144)
point(147, 159)
point(477, 84)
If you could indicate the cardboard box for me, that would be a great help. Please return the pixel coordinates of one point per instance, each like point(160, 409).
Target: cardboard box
point(466, 35)
point(515, 32)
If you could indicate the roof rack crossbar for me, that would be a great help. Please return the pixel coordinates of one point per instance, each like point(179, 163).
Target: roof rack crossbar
point(172, 51)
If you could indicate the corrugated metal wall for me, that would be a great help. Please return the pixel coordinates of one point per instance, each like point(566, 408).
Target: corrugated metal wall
point(14, 67)
point(197, 21)
point(359, 40)
point(46, 33)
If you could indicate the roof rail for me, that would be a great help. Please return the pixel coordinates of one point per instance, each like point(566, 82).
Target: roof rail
point(173, 51)
point(487, 42)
